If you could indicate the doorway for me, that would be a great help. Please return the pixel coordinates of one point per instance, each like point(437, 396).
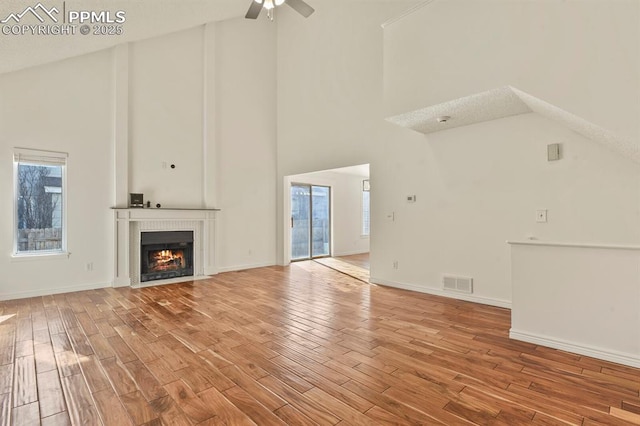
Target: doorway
point(310, 221)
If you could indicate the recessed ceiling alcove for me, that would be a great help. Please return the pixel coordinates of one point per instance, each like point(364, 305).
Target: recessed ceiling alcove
point(505, 102)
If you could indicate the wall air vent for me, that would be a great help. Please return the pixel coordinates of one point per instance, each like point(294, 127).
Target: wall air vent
point(461, 284)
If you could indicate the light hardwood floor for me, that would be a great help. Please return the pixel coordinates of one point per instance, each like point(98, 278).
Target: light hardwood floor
point(361, 260)
point(300, 345)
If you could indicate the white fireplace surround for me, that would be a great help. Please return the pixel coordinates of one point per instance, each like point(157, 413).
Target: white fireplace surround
point(130, 223)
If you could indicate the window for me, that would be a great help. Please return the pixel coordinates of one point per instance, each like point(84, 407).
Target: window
point(366, 208)
point(39, 178)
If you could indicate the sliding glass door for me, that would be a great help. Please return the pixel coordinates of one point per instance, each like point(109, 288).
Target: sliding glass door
point(310, 221)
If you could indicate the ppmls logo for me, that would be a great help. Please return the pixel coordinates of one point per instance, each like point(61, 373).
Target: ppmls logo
point(43, 20)
point(43, 11)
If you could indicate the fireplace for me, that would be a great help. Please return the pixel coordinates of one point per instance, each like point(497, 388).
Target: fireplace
point(166, 254)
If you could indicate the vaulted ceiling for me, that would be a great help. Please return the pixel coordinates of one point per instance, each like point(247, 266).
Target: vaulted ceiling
point(144, 19)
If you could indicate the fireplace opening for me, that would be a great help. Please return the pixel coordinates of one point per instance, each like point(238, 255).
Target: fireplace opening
point(166, 254)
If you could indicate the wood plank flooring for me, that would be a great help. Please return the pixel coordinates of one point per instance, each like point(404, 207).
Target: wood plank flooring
point(347, 267)
point(361, 260)
point(302, 345)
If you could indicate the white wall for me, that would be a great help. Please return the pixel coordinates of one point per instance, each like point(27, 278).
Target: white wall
point(346, 212)
point(476, 186)
point(347, 217)
point(552, 308)
point(245, 134)
point(68, 107)
point(480, 185)
point(166, 119)
point(192, 99)
point(330, 110)
point(203, 99)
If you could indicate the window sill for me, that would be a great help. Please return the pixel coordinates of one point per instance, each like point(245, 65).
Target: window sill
point(39, 256)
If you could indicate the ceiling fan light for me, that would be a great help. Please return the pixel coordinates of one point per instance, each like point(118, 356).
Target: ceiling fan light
point(268, 4)
point(279, 2)
point(258, 1)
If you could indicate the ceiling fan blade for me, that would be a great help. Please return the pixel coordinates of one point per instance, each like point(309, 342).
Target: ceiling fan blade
point(301, 7)
point(254, 10)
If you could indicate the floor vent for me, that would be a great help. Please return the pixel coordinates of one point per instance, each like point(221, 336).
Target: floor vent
point(462, 284)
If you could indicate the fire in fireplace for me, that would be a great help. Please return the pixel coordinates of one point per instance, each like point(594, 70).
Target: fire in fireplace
point(166, 260)
point(167, 254)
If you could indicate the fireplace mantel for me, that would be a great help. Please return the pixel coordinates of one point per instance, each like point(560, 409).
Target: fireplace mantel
point(130, 222)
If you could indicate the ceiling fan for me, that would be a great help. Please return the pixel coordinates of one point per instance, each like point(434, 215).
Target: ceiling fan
point(257, 5)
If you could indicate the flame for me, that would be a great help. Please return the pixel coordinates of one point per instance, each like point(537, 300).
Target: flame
point(166, 260)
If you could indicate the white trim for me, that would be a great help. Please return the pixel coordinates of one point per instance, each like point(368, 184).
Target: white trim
point(437, 292)
point(574, 245)
point(362, 192)
point(120, 120)
point(51, 291)
point(39, 156)
point(406, 13)
point(121, 282)
point(42, 158)
point(632, 360)
point(350, 253)
point(130, 222)
point(28, 256)
point(245, 267)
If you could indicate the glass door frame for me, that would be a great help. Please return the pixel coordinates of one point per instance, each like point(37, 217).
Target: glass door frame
point(330, 206)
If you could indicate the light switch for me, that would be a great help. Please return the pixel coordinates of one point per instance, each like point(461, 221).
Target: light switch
point(411, 198)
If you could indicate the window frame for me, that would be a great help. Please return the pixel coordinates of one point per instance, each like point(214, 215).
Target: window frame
point(40, 158)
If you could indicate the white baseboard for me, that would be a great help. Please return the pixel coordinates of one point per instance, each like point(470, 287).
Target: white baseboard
point(121, 282)
point(632, 360)
point(244, 267)
point(349, 253)
point(50, 291)
point(210, 270)
point(438, 292)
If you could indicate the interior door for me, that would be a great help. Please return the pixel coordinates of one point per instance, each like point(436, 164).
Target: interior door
point(310, 221)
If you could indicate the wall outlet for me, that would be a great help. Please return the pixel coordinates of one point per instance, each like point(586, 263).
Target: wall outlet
point(391, 216)
point(395, 264)
point(411, 198)
point(89, 267)
point(541, 216)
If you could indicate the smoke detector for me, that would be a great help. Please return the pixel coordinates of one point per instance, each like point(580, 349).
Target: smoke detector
point(443, 119)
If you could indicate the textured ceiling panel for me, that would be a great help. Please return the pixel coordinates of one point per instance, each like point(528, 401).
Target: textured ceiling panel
point(505, 102)
point(579, 125)
point(490, 105)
